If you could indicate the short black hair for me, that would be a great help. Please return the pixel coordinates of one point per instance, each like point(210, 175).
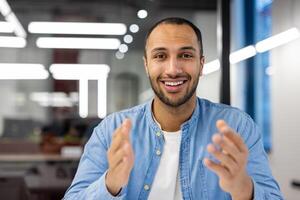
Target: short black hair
point(176, 21)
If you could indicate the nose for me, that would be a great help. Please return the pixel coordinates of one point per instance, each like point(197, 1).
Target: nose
point(173, 67)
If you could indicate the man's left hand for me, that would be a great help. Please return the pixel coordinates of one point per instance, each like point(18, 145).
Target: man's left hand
point(232, 155)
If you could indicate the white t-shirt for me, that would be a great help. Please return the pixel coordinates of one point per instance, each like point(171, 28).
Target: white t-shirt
point(166, 184)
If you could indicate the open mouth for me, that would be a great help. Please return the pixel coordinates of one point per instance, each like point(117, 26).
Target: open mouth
point(173, 85)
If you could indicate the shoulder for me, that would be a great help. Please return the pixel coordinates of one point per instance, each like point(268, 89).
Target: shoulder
point(221, 109)
point(131, 113)
point(235, 117)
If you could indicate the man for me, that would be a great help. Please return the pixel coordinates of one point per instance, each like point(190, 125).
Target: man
point(166, 148)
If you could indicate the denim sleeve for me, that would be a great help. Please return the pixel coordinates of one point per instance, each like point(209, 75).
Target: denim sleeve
point(89, 181)
point(265, 186)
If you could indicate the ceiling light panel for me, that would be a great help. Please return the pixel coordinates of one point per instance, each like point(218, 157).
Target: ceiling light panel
point(79, 71)
point(277, 40)
point(17, 26)
point(17, 71)
point(77, 43)
point(242, 54)
point(77, 28)
point(12, 42)
point(4, 8)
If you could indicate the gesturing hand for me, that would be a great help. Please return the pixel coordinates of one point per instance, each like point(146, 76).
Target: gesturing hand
point(120, 158)
point(233, 155)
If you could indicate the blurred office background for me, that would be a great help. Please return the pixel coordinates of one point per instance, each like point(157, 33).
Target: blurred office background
point(58, 80)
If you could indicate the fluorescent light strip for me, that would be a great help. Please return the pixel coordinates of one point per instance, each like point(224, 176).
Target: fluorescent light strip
point(77, 28)
point(277, 40)
point(211, 67)
point(12, 42)
point(4, 8)
point(18, 28)
point(16, 71)
point(83, 98)
point(242, 54)
point(79, 71)
point(53, 99)
point(102, 98)
point(249, 51)
point(78, 43)
point(6, 27)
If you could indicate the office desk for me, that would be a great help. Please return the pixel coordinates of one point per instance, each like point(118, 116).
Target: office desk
point(37, 158)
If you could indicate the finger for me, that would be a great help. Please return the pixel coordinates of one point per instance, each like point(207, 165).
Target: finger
point(237, 140)
point(121, 134)
point(126, 127)
point(220, 170)
point(125, 166)
point(119, 155)
point(130, 152)
point(129, 159)
point(231, 135)
point(226, 160)
point(121, 170)
point(128, 164)
point(220, 124)
point(116, 141)
point(228, 146)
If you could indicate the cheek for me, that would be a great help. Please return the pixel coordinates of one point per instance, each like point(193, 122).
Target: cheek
point(192, 71)
point(154, 71)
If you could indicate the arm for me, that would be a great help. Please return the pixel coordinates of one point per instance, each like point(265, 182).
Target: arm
point(265, 186)
point(94, 168)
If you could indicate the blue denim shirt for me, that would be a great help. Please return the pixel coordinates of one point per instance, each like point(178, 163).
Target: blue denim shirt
point(197, 182)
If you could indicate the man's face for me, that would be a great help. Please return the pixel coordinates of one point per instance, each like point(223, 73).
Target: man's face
point(173, 63)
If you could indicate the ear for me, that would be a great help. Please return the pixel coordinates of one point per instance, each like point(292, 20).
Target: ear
point(145, 65)
point(202, 61)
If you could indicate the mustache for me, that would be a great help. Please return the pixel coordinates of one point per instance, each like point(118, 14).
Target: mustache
point(175, 76)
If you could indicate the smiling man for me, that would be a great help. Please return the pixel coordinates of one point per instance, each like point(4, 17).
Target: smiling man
point(176, 146)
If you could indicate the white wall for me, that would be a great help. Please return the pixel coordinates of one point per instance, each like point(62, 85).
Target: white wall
point(14, 95)
point(285, 91)
point(209, 85)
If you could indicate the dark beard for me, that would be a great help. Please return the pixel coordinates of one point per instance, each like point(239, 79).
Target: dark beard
point(179, 102)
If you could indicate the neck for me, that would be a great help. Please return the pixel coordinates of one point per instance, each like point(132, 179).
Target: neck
point(170, 118)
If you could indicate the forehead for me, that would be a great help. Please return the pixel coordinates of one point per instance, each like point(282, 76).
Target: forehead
point(172, 35)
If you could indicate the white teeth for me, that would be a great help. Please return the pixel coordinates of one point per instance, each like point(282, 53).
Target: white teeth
point(174, 83)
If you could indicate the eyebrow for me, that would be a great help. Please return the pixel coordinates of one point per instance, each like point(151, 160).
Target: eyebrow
point(164, 49)
point(158, 49)
point(188, 48)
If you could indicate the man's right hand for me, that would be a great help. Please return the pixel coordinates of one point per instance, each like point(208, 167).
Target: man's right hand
point(120, 158)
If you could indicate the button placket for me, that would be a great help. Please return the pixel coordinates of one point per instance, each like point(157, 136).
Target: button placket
point(146, 187)
point(158, 134)
point(158, 152)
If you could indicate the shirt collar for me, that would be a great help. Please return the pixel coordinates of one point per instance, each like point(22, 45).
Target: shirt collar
point(185, 125)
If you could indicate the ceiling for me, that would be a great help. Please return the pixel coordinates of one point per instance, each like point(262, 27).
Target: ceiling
point(123, 11)
point(161, 4)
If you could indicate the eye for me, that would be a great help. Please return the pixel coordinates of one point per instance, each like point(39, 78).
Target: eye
point(159, 56)
point(187, 55)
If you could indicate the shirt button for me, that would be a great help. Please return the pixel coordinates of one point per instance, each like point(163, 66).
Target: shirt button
point(146, 187)
point(158, 152)
point(158, 134)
